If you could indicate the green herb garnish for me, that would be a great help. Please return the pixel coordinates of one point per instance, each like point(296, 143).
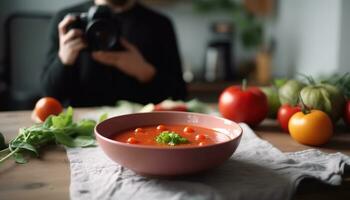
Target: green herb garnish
point(103, 117)
point(170, 138)
point(56, 129)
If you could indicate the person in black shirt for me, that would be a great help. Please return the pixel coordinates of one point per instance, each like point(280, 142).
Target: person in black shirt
point(148, 70)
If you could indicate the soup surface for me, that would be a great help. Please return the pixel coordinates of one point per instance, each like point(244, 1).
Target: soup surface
point(171, 135)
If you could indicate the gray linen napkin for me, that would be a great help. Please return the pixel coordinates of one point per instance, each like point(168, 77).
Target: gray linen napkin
point(257, 170)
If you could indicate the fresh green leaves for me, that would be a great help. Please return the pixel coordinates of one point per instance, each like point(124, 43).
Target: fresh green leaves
point(79, 141)
point(84, 141)
point(63, 120)
point(25, 146)
point(19, 158)
point(170, 138)
point(195, 105)
point(134, 107)
point(84, 127)
point(56, 129)
point(103, 117)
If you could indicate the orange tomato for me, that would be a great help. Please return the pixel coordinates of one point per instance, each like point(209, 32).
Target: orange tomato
point(201, 144)
point(45, 107)
point(200, 137)
point(188, 129)
point(314, 128)
point(138, 130)
point(131, 140)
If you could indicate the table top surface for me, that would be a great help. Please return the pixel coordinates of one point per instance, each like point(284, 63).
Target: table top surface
point(48, 177)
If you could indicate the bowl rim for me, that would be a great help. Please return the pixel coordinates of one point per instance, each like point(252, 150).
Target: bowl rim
point(97, 134)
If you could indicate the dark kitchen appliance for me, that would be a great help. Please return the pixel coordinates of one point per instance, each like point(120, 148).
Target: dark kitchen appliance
point(219, 65)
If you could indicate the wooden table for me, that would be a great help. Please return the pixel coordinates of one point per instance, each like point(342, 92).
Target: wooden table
point(48, 177)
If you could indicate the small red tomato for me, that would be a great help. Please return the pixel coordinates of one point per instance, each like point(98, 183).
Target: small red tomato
point(161, 128)
point(188, 129)
point(131, 140)
point(284, 113)
point(201, 144)
point(243, 104)
point(45, 107)
point(138, 130)
point(347, 113)
point(200, 137)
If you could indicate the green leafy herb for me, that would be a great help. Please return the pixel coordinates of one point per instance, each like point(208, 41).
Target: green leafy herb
point(170, 138)
point(195, 105)
point(56, 129)
point(103, 117)
point(19, 158)
point(134, 107)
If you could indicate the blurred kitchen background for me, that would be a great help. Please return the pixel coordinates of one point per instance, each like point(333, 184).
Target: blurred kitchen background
point(221, 42)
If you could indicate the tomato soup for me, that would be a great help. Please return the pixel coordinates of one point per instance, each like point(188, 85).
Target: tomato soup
point(171, 135)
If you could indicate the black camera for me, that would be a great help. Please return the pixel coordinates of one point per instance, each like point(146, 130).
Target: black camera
point(101, 28)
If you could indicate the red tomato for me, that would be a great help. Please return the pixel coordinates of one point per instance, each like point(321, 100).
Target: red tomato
point(284, 113)
point(161, 128)
point(200, 137)
point(45, 107)
point(243, 105)
point(131, 140)
point(138, 130)
point(188, 129)
point(347, 113)
point(201, 144)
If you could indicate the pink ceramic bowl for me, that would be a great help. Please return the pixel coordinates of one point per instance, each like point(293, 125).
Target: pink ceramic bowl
point(172, 161)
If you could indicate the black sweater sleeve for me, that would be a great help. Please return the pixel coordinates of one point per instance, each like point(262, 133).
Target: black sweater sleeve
point(56, 77)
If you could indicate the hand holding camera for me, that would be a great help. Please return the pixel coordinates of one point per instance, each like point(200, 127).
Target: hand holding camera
point(130, 61)
point(99, 30)
point(71, 42)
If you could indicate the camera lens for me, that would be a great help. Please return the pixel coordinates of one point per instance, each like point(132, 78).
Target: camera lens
point(102, 35)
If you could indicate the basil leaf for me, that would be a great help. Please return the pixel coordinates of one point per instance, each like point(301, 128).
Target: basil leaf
point(64, 119)
point(48, 122)
point(19, 158)
point(29, 147)
point(60, 129)
point(195, 105)
point(85, 127)
point(15, 143)
point(64, 139)
point(103, 117)
point(84, 141)
point(134, 107)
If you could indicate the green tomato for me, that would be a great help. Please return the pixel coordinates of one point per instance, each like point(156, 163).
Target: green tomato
point(325, 97)
point(289, 92)
point(279, 82)
point(272, 100)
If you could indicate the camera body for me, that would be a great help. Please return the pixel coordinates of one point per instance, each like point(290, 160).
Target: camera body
point(101, 28)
